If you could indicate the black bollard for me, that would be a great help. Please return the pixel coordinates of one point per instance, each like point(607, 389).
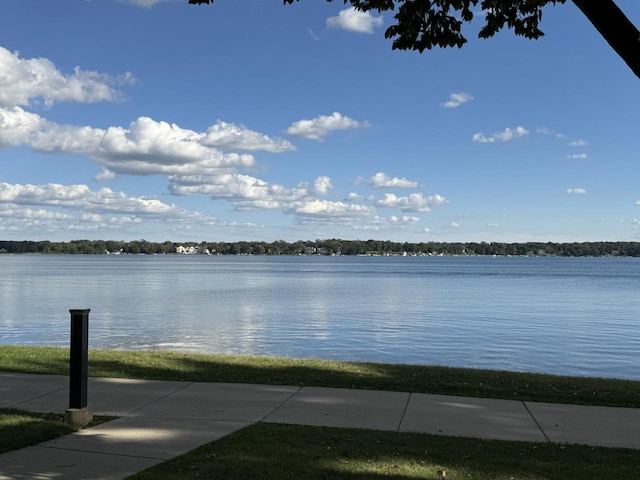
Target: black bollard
point(79, 358)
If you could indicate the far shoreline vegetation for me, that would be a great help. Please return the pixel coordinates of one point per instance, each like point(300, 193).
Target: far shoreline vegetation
point(328, 247)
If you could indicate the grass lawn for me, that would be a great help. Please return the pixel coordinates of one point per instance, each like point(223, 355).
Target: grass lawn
point(20, 429)
point(276, 452)
point(266, 451)
point(162, 365)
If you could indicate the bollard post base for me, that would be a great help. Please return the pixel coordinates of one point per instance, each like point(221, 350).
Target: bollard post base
point(78, 417)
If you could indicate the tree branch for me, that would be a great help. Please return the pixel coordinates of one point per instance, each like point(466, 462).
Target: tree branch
point(616, 29)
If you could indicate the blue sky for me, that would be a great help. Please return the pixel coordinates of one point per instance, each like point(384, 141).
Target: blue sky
point(251, 120)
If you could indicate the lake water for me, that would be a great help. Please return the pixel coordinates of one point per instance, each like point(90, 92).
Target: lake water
point(575, 316)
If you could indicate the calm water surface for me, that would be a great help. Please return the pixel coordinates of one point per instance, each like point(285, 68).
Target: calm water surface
point(576, 316)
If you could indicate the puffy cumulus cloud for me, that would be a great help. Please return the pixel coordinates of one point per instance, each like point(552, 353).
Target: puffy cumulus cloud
point(105, 174)
point(55, 138)
point(8, 210)
point(62, 208)
point(454, 225)
point(80, 197)
point(354, 197)
point(151, 147)
point(322, 185)
point(576, 191)
point(22, 80)
point(457, 99)
point(17, 126)
point(243, 191)
point(355, 21)
point(319, 127)
point(238, 137)
point(415, 202)
point(577, 156)
point(329, 208)
point(145, 147)
point(382, 180)
point(504, 136)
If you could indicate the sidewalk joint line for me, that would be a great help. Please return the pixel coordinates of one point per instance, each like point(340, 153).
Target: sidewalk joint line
point(524, 404)
point(273, 410)
point(51, 392)
point(163, 459)
point(158, 399)
point(404, 412)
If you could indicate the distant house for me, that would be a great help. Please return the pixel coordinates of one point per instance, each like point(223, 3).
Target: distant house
point(191, 250)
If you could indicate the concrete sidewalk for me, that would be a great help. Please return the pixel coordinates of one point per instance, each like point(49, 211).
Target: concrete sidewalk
point(160, 420)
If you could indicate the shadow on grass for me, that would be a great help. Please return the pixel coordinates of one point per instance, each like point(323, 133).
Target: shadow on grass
point(266, 451)
point(163, 365)
point(20, 429)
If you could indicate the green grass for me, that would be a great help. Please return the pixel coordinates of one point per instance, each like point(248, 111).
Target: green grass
point(266, 451)
point(162, 365)
point(277, 452)
point(20, 429)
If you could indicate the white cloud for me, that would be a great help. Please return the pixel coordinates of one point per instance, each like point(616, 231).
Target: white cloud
point(455, 224)
point(492, 225)
point(142, 3)
point(404, 220)
point(355, 21)
point(380, 224)
point(8, 210)
point(322, 185)
point(578, 143)
point(243, 191)
point(16, 126)
point(151, 147)
point(238, 137)
point(105, 174)
point(23, 80)
point(381, 180)
point(354, 197)
point(332, 209)
point(82, 198)
point(577, 156)
point(92, 218)
point(314, 36)
point(60, 208)
point(321, 126)
point(415, 202)
point(638, 203)
point(145, 147)
point(576, 191)
point(504, 136)
point(547, 131)
point(457, 99)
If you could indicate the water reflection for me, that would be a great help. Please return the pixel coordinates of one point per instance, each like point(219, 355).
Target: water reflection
point(572, 316)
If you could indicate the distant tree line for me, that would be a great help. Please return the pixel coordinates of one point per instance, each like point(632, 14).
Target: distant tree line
point(329, 247)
